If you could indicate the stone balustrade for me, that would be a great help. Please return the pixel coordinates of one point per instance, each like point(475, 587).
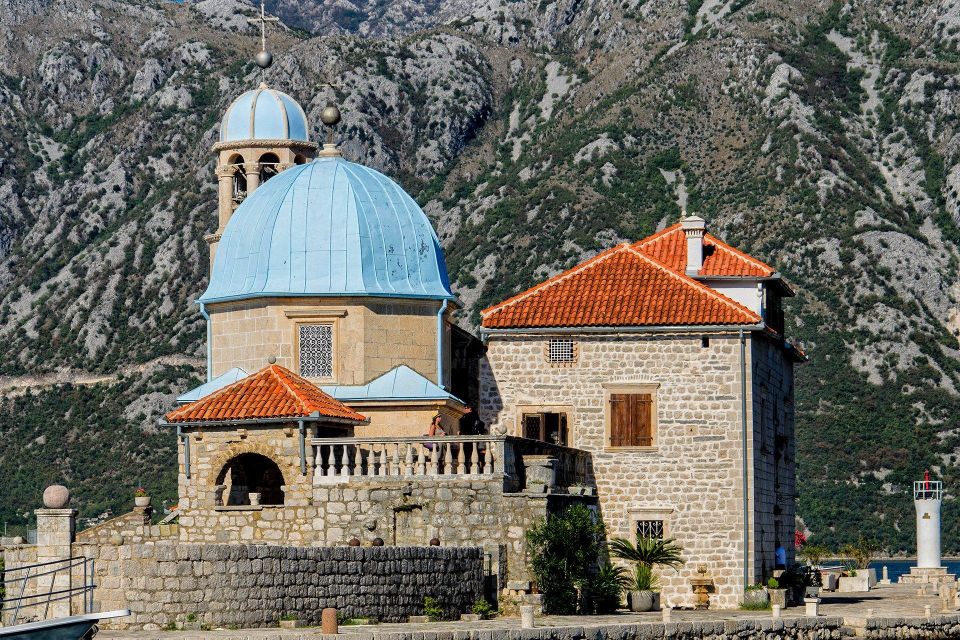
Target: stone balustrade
point(340, 460)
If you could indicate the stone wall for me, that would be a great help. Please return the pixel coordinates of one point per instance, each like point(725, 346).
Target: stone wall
point(130, 527)
point(691, 478)
point(163, 583)
point(774, 453)
point(370, 337)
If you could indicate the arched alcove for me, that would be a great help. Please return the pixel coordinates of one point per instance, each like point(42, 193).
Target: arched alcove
point(299, 159)
point(269, 166)
point(249, 473)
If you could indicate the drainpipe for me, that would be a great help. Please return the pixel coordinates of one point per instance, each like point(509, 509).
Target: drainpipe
point(186, 450)
point(443, 309)
point(303, 448)
point(746, 482)
point(206, 316)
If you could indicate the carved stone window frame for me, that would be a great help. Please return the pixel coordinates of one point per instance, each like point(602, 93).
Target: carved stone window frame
point(331, 317)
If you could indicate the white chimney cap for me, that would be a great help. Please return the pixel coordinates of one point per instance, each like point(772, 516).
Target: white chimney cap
point(693, 223)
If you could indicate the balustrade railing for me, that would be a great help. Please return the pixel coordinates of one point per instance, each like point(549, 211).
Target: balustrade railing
point(339, 459)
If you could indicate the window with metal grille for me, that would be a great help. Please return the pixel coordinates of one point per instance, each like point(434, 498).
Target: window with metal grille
point(561, 350)
point(650, 529)
point(316, 350)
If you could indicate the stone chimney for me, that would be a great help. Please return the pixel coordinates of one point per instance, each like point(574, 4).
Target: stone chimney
point(694, 227)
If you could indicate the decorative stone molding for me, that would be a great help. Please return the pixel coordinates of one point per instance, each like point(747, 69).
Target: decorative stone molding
point(246, 144)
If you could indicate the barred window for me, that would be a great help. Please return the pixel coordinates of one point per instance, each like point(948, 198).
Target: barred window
point(561, 350)
point(650, 529)
point(316, 350)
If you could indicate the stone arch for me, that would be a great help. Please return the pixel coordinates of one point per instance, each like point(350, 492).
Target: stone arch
point(269, 166)
point(251, 473)
point(239, 189)
point(221, 464)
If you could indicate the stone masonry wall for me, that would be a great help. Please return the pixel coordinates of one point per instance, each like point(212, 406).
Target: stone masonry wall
point(163, 583)
point(691, 478)
point(370, 337)
point(774, 454)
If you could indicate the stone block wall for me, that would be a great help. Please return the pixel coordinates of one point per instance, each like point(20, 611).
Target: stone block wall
point(131, 527)
point(163, 583)
point(370, 338)
point(774, 454)
point(691, 478)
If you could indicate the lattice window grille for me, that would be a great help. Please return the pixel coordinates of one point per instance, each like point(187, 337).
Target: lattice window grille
point(650, 529)
point(561, 350)
point(316, 350)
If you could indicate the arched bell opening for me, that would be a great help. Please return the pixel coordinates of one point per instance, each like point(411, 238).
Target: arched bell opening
point(239, 191)
point(269, 166)
point(250, 473)
point(299, 159)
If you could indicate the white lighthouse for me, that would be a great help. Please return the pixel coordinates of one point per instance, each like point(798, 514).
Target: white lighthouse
point(927, 496)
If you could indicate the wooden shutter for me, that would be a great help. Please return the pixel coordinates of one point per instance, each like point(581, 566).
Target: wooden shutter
point(631, 420)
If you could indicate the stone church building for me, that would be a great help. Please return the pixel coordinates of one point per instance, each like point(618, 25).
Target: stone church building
point(651, 382)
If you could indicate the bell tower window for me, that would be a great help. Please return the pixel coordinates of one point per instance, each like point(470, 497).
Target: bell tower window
point(315, 350)
point(269, 166)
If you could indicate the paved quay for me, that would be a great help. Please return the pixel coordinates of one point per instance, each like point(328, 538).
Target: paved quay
point(887, 611)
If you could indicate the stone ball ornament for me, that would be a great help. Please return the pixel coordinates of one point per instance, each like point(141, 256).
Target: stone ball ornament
point(263, 59)
point(378, 542)
point(434, 542)
point(330, 116)
point(56, 496)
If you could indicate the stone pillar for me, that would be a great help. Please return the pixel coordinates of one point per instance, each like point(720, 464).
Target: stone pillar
point(224, 196)
point(56, 526)
point(252, 169)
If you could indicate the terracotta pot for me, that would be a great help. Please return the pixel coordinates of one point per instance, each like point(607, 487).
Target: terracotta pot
point(141, 501)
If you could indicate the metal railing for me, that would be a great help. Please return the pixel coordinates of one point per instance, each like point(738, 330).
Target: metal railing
point(928, 490)
point(45, 594)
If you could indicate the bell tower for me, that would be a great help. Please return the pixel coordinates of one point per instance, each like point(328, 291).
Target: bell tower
point(264, 132)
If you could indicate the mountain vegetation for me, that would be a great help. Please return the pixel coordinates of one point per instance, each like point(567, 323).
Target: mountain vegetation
point(819, 135)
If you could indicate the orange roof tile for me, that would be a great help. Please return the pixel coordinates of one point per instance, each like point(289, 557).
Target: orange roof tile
point(617, 288)
point(720, 259)
point(272, 392)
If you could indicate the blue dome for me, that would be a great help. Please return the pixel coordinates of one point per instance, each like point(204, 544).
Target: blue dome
point(264, 114)
point(328, 228)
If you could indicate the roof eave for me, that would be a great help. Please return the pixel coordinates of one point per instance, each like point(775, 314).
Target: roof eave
point(225, 422)
point(346, 294)
point(776, 278)
point(683, 328)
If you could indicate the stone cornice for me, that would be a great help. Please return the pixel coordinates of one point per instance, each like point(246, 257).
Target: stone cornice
point(247, 144)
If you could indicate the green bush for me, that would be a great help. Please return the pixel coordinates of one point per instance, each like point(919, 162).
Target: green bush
point(606, 588)
point(564, 551)
point(431, 608)
point(773, 583)
point(482, 608)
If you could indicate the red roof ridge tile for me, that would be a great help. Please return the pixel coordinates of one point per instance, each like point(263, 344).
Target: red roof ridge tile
point(560, 277)
point(710, 291)
point(657, 236)
point(710, 238)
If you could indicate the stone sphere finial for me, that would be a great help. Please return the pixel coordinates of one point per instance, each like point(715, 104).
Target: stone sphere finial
point(56, 496)
point(263, 59)
point(272, 360)
point(330, 115)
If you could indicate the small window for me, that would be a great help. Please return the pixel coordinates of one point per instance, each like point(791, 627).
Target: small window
point(705, 342)
point(316, 350)
point(546, 427)
point(649, 529)
point(631, 420)
point(561, 350)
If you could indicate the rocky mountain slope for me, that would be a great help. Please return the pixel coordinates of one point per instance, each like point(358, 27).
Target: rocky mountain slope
point(820, 136)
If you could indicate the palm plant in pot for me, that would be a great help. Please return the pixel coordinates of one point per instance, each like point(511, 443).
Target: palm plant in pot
point(646, 554)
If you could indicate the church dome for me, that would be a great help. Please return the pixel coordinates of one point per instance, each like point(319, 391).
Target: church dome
point(328, 228)
point(264, 114)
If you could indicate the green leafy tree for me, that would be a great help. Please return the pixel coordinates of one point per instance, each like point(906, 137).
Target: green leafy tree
point(564, 553)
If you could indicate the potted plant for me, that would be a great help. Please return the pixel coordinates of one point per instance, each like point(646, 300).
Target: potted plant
point(481, 610)
point(755, 597)
point(647, 554)
point(859, 576)
point(778, 595)
point(576, 489)
point(140, 497)
point(290, 621)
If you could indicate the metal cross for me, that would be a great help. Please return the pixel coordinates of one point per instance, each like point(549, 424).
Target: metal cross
point(262, 21)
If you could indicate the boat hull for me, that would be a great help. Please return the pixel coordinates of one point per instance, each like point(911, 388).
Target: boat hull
point(71, 628)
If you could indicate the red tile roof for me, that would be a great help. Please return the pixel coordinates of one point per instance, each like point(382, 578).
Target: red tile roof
point(720, 259)
point(272, 392)
point(620, 287)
